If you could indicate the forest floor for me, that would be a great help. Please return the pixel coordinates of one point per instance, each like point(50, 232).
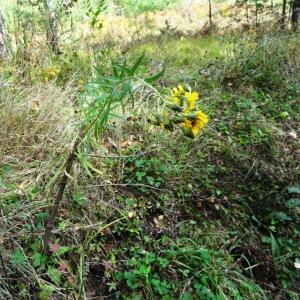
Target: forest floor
point(153, 214)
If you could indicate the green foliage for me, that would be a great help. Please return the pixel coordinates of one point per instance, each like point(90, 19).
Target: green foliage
point(18, 258)
point(260, 62)
point(285, 247)
point(212, 219)
point(105, 94)
point(79, 198)
point(93, 13)
point(107, 97)
point(134, 7)
point(182, 269)
point(143, 170)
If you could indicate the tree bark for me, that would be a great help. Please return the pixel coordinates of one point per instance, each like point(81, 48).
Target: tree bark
point(247, 13)
point(2, 37)
point(283, 14)
point(210, 15)
point(256, 13)
point(52, 32)
point(295, 14)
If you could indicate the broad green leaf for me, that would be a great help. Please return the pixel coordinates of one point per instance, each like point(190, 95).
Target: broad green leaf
point(38, 259)
point(54, 275)
point(46, 291)
point(18, 259)
point(62, 250)
point(294, 202)
point(79, 198)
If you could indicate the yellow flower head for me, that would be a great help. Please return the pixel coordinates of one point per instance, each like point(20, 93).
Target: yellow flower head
point(186, 100)
point(191, 99)
point(177, 93)
point(193, 125)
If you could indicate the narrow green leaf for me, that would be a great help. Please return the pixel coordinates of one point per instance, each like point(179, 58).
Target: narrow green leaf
point(114, 69)
point(126, 70)
point(155, 77)
point(274, 246)
point(137, 63)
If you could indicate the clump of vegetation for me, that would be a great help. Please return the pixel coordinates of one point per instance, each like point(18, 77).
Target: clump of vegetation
point(262, 61)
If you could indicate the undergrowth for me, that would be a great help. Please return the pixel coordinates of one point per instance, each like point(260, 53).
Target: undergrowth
point(158, 216)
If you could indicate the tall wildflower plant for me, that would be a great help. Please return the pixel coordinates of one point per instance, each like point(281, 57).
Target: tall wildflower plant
point(104, 95)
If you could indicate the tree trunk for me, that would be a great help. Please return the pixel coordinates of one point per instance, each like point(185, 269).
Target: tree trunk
point(2, 37)
point(247, 13)
point(283, 14)
point(295, 14)
point(52, 34)
point(256, 13)
point(210, 15)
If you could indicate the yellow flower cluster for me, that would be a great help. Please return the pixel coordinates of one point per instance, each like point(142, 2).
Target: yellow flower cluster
point(184, 99)
point(183, 111)
point(193, 118)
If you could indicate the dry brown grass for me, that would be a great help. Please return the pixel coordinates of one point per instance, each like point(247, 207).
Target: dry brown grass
point(36, 125)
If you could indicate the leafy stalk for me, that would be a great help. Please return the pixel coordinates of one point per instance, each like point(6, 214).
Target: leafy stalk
point(103, 95)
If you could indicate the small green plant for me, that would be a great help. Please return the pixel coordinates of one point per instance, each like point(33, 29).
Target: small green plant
point(94, 12)
point(143, 170)
point(182, 270)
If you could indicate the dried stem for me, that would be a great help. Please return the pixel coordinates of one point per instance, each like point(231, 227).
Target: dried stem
point(5, 272)
point(64, 180)
point(61, 188)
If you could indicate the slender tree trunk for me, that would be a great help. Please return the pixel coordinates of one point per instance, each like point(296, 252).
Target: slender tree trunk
point(2, 37)
point(52, 34)
point(290, 11)
point(283, 14)
point(295, 15)
point(247, 13)
point(210, 15)
point(256, 13)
